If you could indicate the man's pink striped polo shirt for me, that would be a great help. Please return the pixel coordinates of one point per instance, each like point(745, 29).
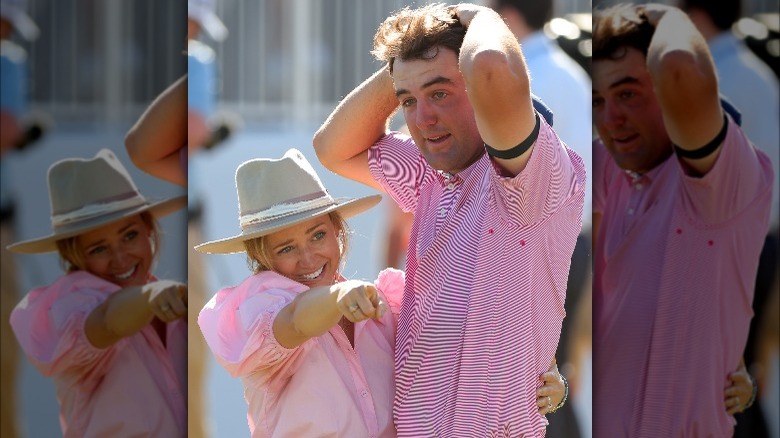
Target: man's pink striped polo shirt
point(487, 265)
point(674, 269)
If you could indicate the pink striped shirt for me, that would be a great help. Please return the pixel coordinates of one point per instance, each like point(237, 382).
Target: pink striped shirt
point(135, 387)
point(675, 266)
point(487, 265)
point(321, 388)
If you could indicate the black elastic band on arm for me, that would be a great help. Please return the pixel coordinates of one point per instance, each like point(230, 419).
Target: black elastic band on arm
point(518, 150)
point(708, 148)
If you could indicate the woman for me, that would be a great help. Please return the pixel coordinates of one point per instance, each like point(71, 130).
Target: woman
point(108, 332)
point(314, 351)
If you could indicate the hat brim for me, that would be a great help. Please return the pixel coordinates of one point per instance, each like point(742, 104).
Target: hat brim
point(158, 209)
point(347, 209)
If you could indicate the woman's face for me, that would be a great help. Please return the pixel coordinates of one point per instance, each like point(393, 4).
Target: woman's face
point(308, 252)
point(120, 252)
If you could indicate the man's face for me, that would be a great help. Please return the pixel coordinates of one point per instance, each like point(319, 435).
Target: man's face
point(627, 114)
point(432, 94)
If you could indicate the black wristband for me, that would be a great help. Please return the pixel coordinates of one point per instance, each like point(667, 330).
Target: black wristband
point(708, 148)
point(518, 150)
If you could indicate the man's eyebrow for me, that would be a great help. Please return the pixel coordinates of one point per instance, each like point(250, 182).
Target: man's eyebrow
point(434, 81)
point(624, 81)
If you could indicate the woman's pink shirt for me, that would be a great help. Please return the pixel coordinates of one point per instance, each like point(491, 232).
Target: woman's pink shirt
point(135, 387)
point(323, 387)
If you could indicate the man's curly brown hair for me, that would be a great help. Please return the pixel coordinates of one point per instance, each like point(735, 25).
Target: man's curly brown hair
point(413, 33)
point(619, 27)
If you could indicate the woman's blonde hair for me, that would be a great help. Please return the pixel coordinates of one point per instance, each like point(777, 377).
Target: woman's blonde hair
point(257, 255)
point(72, 258)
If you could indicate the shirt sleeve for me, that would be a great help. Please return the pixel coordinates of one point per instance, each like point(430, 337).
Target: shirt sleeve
point(397, 165)
point(240, 334)
point(52, 334)
point(741, 175)
point(553, 177)
point(391, 283)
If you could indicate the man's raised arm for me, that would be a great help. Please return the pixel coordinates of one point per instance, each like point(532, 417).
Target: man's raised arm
point(685, 82)
point(497, 83)
point(360, 120)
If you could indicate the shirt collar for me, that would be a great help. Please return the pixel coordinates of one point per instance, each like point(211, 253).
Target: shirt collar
point(633, 178)
point(446, 178)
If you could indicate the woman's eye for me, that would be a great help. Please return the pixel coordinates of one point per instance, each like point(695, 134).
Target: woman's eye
point(285, 250)
point(96, 250)
point(131, 235)
point(319, 235)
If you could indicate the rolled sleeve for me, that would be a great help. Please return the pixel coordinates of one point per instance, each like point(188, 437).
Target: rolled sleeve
point(741, 175)
point(391, 283)
point(553, 177)
point(396, 164)
point(239, 331)
point(52, 334)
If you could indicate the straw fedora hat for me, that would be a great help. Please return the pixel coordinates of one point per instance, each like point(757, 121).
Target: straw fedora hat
point(86, 194)
point(276, 193)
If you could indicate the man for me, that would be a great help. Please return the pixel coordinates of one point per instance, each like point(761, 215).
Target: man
point(681, 206)
point(494, 226)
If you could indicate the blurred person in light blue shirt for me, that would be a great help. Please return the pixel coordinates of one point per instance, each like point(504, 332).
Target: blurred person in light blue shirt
point(204, 132)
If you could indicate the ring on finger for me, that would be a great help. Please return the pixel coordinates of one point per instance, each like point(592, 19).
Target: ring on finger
point(352, 308)
point(549, 402)
point(165, 308)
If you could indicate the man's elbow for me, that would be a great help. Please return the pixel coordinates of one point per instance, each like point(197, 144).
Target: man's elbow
point(132, 145)
point(323, 149)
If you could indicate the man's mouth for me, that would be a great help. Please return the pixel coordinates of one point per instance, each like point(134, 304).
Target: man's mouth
point(437, 139)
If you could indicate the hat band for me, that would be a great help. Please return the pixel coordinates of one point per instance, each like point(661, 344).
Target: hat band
point(282, 210)
point(92, 210)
